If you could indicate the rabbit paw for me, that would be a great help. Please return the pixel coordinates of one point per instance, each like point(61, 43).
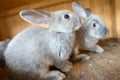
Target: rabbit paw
point(99, 49)
point(66, 66)
point(55, 75)
point(81, 57)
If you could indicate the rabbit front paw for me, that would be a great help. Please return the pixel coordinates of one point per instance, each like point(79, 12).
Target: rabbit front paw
point(64, 66)
point(99, 49)
point(55, 75)
point(80, 57)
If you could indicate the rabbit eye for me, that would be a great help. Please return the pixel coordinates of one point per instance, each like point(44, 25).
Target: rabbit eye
point(66, 16)
point(94, 25)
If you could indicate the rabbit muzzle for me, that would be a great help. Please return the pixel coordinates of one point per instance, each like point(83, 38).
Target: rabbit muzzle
point(105, 31)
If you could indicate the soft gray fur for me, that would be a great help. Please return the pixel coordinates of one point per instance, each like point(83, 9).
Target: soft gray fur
point(30, 54)
point(3, 46)
point(93, 29)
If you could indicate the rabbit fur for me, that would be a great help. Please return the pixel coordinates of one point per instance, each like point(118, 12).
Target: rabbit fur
point(30, 53)
point(92, 30)
point(3, 46)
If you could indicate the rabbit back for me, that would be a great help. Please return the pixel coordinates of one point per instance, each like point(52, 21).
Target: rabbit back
point(23, 51)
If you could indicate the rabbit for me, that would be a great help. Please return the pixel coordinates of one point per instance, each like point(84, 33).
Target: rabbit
point(92, 30)
point(3, 46)
point(30, 54)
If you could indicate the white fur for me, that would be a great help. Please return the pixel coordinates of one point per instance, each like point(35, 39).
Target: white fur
point(3, 46)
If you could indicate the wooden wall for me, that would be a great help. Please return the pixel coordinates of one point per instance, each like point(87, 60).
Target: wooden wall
point(107, 9)
point(117, 17)
point(3, 29)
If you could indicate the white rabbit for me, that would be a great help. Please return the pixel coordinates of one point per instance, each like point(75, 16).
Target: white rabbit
point(30, 54)
point(3, 46)
point(93, 29)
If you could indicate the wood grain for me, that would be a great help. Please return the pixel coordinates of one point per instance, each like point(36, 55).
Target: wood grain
point(109, 10)
point(117, 17)
point(4, 33)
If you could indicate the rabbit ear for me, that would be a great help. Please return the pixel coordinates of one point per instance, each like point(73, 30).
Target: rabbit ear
point(88, 11)
point(34, 16)
point(79, 9)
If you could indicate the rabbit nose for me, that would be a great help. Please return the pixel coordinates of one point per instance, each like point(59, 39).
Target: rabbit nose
point(106, 31)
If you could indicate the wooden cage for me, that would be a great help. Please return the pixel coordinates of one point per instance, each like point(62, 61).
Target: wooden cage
point(11, 24)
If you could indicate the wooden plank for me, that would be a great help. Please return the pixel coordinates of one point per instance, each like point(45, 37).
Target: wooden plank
point(9, 4)
point(40, 4)
point(107, 9)
point(3, 30)
point(117, 13)
point(113, 19)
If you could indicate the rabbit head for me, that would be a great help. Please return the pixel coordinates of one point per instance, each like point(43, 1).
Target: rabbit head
point(59, 21)
point(93, 24)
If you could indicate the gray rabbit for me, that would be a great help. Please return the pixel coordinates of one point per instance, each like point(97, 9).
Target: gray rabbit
point(93, 29)
point(30, 54)
point(3, 46)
